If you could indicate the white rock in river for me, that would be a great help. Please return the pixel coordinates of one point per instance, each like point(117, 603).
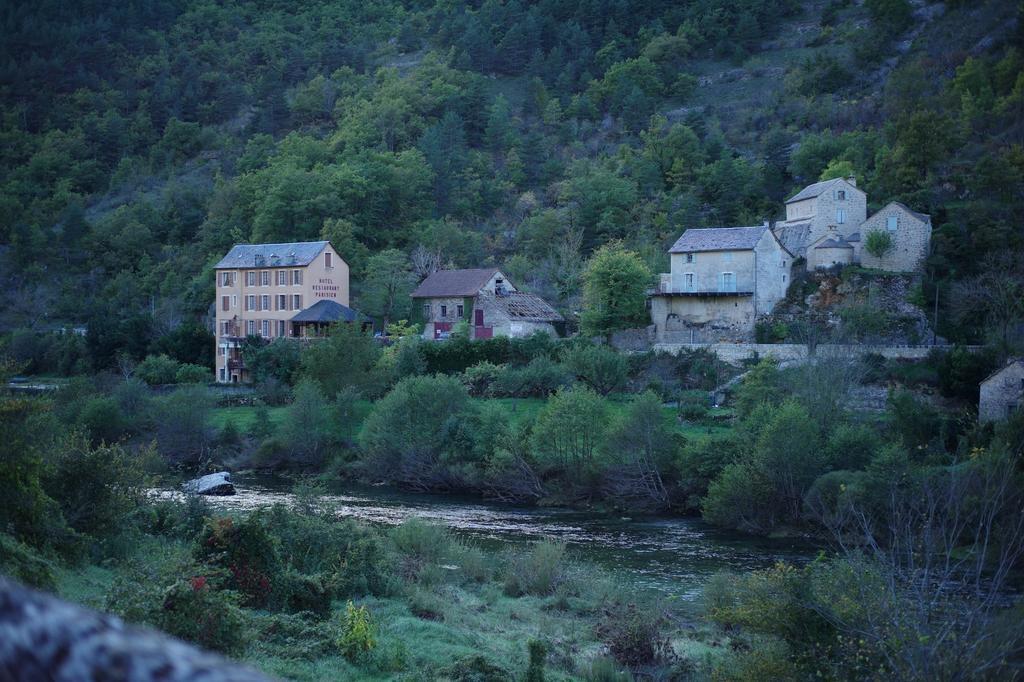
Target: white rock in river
point(211, 484)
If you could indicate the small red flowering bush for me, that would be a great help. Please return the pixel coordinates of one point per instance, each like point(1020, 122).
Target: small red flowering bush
point(192, 608)
point(195, 611)
point(247, 551)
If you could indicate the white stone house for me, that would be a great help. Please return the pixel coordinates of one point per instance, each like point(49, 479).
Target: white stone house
point(827, 225)
point(1002, 393)
point(486, 300)
point(721, 279)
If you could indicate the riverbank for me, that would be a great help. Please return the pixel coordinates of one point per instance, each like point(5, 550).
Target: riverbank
point(670, 555)
point(438, 604)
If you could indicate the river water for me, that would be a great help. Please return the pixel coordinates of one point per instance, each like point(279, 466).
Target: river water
point(671, 555)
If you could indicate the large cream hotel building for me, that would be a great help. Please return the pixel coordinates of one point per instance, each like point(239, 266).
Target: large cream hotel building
point(262, 287)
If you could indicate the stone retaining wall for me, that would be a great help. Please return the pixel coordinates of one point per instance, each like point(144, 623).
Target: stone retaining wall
point(736, 353)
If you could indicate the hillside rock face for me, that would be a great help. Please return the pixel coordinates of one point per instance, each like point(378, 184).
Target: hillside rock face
point(854, 307)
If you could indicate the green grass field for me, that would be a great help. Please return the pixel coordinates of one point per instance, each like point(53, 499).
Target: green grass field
point(516, 408)
point(243, 417)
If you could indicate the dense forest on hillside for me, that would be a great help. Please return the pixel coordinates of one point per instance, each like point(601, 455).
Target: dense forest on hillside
point(139, 144)
point(570, 143)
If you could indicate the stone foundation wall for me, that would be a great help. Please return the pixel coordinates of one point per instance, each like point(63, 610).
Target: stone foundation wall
point(736, 353)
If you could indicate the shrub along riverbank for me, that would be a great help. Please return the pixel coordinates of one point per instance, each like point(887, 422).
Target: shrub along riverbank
point(274, 587)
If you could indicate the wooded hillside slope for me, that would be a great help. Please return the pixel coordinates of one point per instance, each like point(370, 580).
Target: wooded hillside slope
point(137, 144)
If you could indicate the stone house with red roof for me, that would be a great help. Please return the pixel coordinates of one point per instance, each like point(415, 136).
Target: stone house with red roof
point(486, 300)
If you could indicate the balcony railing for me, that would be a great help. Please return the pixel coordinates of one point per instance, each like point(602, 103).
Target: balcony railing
point(723, 288)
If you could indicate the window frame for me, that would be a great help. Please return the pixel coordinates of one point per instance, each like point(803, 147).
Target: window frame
point(892, 222)
point(722, 280)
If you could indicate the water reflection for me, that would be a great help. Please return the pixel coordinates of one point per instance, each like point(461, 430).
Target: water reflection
point(672, 555)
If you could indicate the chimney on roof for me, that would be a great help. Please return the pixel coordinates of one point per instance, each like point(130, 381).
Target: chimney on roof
point(852, 179)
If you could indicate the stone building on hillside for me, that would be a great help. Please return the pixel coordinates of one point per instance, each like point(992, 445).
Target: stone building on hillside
point(1002, 393)
point(827, 225)
point(262, 288)
point(828, 210)
point(909, 232)
point(721, 279)
point(483, 298)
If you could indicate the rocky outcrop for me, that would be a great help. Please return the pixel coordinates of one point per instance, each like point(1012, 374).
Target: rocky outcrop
point(43, 638)
point(211, 484)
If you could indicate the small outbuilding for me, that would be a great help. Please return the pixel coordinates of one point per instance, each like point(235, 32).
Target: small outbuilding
point(832, 252)
point(1002, 392)
point(314, 321)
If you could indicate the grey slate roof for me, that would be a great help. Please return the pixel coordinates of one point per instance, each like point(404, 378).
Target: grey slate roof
point(274, 255)
point(327, 311)
point(793, 236)
point(855, 237)
point(519, 305)
point(718, 239)
point(833, 244)
point(923, 217)
point(454, 283)
point(817, 189)
point(1010, 362)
